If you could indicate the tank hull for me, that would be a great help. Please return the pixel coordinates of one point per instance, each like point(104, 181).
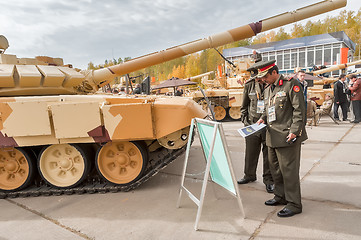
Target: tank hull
point(41, 120)
point(74, 140)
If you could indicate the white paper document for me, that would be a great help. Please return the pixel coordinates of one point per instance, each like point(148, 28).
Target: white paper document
point(249, 130)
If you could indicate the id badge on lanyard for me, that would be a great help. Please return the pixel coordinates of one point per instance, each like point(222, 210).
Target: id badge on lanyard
point(271, 114)
point(260, 106)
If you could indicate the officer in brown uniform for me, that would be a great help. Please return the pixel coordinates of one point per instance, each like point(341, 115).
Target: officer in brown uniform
point(251, 110)
point(285, 118)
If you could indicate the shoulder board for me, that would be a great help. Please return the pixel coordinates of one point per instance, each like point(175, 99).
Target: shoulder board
point(289, 78)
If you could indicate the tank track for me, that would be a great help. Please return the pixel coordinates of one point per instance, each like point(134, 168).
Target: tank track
point(94, 184)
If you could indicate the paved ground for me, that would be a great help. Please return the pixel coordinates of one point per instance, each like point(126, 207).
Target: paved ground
point(331, 193)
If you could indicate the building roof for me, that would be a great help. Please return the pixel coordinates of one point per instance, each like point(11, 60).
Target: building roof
point(321, 39)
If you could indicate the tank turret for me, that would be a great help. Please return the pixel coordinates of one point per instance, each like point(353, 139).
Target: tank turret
point(49, 133)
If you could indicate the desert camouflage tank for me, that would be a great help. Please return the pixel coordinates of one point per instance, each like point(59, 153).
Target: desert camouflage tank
point(318, 92)
point(225, 91)
point(53, 129)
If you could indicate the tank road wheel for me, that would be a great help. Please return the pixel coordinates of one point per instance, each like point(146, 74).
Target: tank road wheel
point(121, 162)
point(234, 112)
point(16, 169)
point(63, 165)
point(175, 140)
point(219, 113)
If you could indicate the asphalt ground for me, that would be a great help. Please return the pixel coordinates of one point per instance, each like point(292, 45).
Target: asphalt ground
point(330, 184)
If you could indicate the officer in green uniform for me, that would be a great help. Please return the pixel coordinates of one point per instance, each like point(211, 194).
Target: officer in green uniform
point(285, 118)
point(251, 110)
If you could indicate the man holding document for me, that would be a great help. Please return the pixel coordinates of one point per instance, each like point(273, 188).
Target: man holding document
point(251, 110)
point(284, 115)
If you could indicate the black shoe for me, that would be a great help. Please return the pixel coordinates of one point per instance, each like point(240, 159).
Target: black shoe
point(246, 180)
point(274, 202)
point(270, 188)
point(345, 119)
point(354, 121)
point(285, 212)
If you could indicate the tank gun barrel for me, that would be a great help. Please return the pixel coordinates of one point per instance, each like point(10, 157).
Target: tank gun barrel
point(324, 81)
point(103, 76)
point(199, 76)
point(336, 67)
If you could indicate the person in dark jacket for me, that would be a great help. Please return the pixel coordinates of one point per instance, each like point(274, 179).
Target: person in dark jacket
point(340, 94)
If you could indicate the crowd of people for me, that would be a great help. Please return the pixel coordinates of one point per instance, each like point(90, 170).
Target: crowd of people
point(346, 95)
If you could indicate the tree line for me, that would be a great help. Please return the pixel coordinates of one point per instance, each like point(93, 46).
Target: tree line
point(208, 60)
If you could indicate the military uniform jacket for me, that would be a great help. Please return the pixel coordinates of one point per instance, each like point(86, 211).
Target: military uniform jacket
point(252, 93)
point(289, 108)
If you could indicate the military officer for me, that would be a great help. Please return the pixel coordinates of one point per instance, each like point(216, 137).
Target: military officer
point(251, 110)
point(285, 118)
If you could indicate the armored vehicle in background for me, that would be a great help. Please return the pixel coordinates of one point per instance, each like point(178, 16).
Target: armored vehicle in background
point(318, 91)
point(57, 136)
point(226, 90)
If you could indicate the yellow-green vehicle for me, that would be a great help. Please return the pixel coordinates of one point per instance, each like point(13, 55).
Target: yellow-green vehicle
point(57, 136)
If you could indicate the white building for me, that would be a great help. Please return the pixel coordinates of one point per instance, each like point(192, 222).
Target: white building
point(320, 50)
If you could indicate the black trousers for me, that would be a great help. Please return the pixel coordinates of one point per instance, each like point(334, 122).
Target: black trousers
point(344, 107)
point(254, 143)
point(356, 105)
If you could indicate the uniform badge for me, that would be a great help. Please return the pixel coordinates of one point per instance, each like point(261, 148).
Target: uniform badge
point(281, 94)
point(296, 88)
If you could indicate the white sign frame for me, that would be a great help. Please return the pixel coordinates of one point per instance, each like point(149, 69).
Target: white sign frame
point(199, 202)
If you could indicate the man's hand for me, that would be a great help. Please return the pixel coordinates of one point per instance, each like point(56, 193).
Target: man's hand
point(290, 137)
point(260, 121)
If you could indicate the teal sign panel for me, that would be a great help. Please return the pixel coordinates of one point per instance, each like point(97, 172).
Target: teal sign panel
point(220, 172)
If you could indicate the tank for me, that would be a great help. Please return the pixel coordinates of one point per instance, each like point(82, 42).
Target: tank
point(318, 91)
point(225, 91)
point(57, 136)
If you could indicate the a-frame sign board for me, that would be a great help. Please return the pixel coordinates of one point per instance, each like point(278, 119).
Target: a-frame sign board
point(219, 166)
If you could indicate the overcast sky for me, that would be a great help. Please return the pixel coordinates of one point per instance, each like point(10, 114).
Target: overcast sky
point(80, 31)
